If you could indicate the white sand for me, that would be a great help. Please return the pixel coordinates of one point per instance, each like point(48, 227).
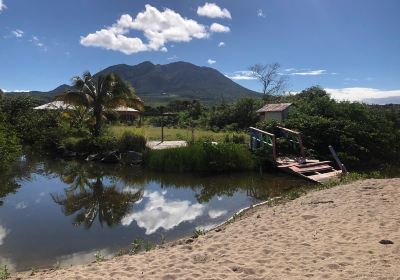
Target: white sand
point(329, 234)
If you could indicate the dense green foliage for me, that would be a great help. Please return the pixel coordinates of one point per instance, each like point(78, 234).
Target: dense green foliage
point(106, 92)
point(86, 145)
point(10, 147)
point(202, 157)
point(363, 135)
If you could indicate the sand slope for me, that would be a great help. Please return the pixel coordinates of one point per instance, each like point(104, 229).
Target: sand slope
point(329, 234)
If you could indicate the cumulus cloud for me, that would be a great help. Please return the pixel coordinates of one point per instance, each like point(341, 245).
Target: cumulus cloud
point(214, 213)
point(221, 44)
point(2, 5)
point(159, 212)
point(219, 28)
point(212, 10)
point(260, 13)
point(3, 234)
point(211, 61)
point(158, 27)
point(21, 205)
point(18, 33)
point(241, 75)
point(36, 41)
point(360, 93)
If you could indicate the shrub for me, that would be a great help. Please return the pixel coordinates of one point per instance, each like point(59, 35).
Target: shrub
point(204, 157)
point(9, 146)
point(90, 144)
point(131, 142)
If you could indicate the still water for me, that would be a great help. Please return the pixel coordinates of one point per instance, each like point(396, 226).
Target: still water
point(56, 211)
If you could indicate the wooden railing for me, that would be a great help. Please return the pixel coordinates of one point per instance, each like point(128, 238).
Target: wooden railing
point(257, 140)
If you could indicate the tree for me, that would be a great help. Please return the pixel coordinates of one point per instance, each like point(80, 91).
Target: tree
point(270, 78)
point(105, 93)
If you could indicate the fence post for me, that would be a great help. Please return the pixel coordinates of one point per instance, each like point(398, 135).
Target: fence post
point(341, 165)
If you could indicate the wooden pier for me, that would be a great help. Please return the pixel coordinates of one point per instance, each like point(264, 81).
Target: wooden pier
point(310, 169)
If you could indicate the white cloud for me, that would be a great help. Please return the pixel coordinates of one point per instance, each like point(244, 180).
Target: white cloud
point(158, 28)
point(309, 73)
point(260, 13)
point(3, 234)
point(21, 205)
point(18, 33)
point(221, 44)
point(216, 27)
point(2, 5)
point(211, 61)
point(174, 57)
point(159, 212)
point(212, 10)
point(241, 75)
point(360, 93)
point(36, 41)
point(213, 213)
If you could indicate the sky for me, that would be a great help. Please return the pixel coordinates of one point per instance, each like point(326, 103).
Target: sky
point(351, 48)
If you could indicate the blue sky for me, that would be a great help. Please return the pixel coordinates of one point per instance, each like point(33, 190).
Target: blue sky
point(349, 47)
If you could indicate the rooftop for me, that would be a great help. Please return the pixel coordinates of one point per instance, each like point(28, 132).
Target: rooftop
point(279, 107)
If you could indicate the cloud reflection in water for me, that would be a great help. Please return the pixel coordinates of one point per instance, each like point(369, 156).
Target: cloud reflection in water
point(159, 212)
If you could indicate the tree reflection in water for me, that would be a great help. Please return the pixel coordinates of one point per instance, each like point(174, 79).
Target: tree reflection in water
point(89, 197)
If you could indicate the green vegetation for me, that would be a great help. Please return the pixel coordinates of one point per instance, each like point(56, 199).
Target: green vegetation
point(198, 232)
point(365, 137)
point(104, 92)
point(99, 257)
point(201, 157)
point(4, 273)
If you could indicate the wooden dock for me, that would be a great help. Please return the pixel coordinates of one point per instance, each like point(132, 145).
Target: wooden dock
point(310, 169)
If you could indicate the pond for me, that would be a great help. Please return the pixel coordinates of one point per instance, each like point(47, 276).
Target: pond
point(54, 211)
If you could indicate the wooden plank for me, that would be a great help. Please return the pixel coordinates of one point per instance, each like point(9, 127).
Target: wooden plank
point(311, 169)
point(262, 131)
point(325, 176)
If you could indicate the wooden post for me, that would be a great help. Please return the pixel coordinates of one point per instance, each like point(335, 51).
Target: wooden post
point(162, 128)
point(301, 146)
point(341, 165)
point(274, 147)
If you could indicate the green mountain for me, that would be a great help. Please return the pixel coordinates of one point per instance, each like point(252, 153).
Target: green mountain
point(156, 83)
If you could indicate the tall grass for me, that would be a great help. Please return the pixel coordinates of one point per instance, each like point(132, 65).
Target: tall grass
point(171, 134)
point(200, 157)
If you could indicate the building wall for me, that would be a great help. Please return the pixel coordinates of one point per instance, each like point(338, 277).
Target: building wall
point(277, 116)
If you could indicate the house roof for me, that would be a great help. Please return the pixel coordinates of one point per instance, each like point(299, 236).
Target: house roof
point(55, 105)
point(61, 105)
point(279, 107)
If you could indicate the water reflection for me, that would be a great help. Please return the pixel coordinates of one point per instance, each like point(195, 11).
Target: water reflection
point(112, 205)
point(88, 197)
point(160, 212)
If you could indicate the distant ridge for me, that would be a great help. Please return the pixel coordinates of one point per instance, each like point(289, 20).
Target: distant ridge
point(156, 83)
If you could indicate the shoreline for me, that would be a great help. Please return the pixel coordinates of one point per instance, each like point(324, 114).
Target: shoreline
point(223, 251)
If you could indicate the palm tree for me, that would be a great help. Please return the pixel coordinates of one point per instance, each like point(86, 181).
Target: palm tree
point(94, 199)
point(101, 94)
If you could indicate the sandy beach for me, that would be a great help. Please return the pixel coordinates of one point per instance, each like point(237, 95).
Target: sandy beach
point(327, 234)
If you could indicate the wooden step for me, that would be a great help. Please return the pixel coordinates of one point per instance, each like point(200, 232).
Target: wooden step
point(309, 164)
point(311, 169)
point(325, 176)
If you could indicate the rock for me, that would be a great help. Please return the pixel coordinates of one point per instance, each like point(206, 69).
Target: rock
point(190, 240)
point(69, 154)
point(132, 157)
point(112, 157)
point(218, 230)
point(94, 157)
point(386, 242)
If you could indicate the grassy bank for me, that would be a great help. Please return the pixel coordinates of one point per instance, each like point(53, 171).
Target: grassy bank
point(201, 157)
point(170, 134)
